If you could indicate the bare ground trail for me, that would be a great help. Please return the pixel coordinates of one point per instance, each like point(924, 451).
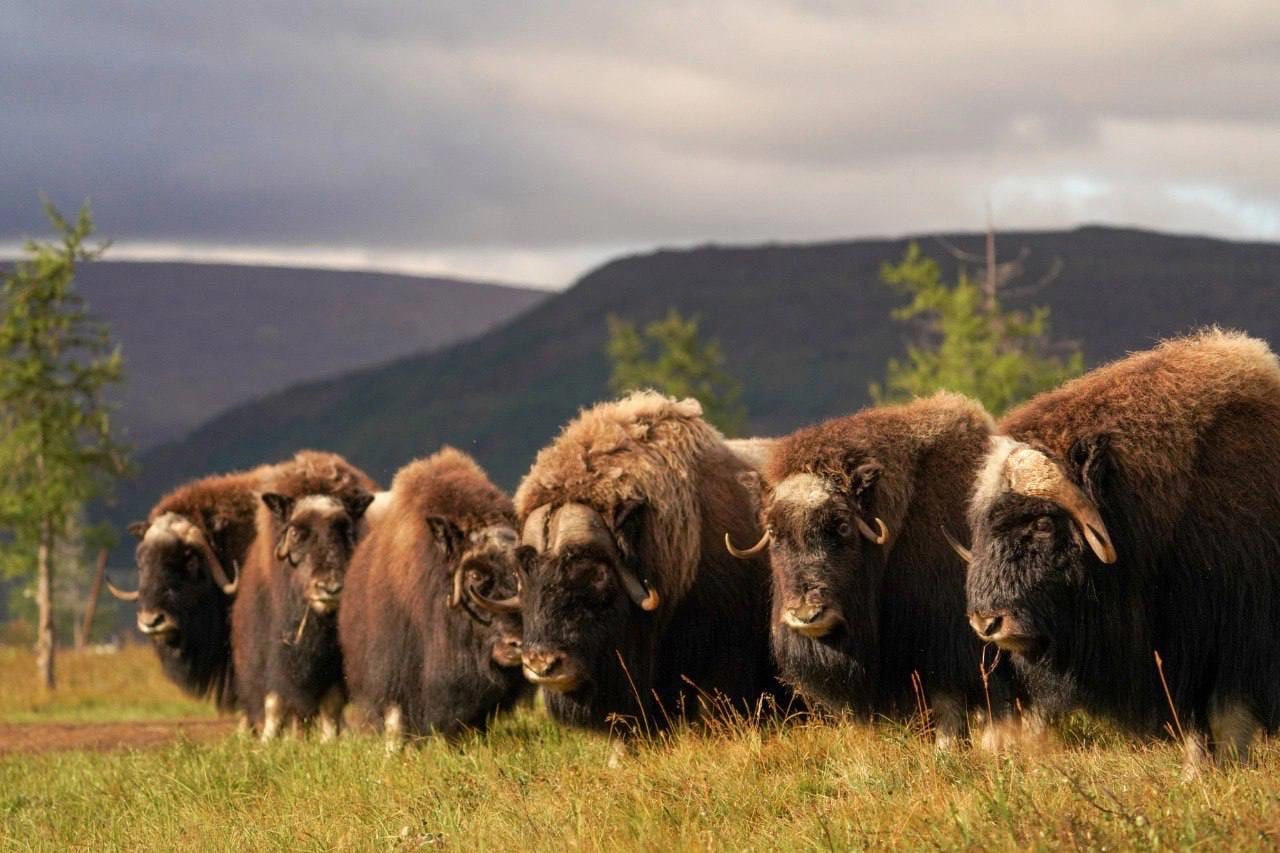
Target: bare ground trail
point(103, 737)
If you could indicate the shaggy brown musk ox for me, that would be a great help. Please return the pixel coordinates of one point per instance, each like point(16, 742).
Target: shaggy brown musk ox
point(868, 594)
point(1133, 512)
point(284, 623)
point(189, 554)
point(430, 638)
point(632, 606)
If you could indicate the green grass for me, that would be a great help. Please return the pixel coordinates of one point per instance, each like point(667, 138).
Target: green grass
point(126, 686)
point(528, 785)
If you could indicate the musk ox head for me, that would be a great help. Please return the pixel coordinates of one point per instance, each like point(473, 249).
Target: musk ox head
point(316, 536)
point(487, 580)
point(179, 575)
point(824, 545)
point(584, 591)
point(1038, 540)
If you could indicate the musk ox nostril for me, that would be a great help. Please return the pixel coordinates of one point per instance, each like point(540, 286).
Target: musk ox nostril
point(987, 625)
point(541, 662)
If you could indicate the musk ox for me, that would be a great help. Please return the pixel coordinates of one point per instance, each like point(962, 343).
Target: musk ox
point(632, 607)
point(430, 635)
point(1135, 512)
point(284, 622)
point(868, 595)
point(189, 553)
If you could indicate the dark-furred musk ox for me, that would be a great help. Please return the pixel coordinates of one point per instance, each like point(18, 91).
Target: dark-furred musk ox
point(868, 595)
point(284, 622)
point(189, 553)
point(632, 606)
point(430, 635)
point(1136, 511)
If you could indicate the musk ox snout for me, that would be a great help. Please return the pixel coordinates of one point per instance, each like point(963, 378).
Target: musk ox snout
point(324, 594)
point(551, 668)
point(156, 623)
point(813, 615)
point(1003, 628)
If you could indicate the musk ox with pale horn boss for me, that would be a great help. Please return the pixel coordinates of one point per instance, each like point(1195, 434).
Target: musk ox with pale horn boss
point(868, 595)
point(430, 628)
point(1133, 512)
point(632, 607)
point(189, 553)
point(284, 622)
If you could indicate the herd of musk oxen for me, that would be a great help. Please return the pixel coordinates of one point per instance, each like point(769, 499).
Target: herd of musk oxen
point(1113, 545)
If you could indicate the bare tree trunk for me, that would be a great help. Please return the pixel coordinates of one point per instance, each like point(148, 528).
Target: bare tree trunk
point(44, 603)
point(992, 284)
point(91, 606)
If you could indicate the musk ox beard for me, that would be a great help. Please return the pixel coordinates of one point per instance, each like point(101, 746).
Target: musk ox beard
point(1133, 513)
point(288, 665)
point(189, 552)
point(632, 608)
point(868, 593)
point(430, 630)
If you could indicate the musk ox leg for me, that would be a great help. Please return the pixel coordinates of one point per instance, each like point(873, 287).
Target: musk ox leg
point(949, 721)
point(618, 750)
point(1195, 756)
point(1233, 726)
point(272, 717)
point(331, 714)
point(393, 729)
point(243, 727)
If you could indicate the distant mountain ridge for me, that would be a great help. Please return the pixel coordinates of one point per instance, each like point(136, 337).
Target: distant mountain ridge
point(200, 338)
point(805, 327)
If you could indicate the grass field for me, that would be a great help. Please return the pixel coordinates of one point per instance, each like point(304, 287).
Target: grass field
point(528, 785)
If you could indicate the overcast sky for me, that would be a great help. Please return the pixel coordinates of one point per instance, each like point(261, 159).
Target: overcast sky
point(527, 141)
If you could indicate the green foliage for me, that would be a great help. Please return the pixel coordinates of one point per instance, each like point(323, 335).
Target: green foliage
point(669, 357)
point(974, 346)
point(57, 450)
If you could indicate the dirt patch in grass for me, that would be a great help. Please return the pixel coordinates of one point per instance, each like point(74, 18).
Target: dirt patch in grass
point(30, 738)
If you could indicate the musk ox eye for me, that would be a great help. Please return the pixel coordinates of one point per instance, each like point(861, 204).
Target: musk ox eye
point(1043, 524)
point(844, 529)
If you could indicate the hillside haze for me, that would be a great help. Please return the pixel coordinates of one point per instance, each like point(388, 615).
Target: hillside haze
point(200, 338)
point(805, 327)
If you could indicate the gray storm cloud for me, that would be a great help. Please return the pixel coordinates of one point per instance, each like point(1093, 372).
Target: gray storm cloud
point(527, 139)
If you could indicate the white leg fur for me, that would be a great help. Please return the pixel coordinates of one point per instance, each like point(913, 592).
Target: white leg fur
point(393, 729)
point(331, 714)
point(949, 722)
point(1233, 726)
point(272, 717)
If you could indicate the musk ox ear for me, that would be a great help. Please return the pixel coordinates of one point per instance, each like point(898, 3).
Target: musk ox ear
point(138, 529)
point(281, 506)
point(862, 478)
point(447, 535)
point(356, 504)
point(1090, 456)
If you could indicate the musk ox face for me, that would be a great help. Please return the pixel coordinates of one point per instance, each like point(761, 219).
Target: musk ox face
point(317, 535)
point(583, 594)
point(487, 582)
point(181, 582)
point(1038, 539)
point(825, 553)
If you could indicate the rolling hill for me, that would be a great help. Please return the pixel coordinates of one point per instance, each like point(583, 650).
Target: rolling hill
point(806, 327)
point(200, 338)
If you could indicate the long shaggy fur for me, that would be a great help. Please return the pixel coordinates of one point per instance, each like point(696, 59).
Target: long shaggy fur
point(903, 601)
point(712, 624)
point(1177, 447)
point(402, 645)
point(223, 508)
point(643, 447)
point(271, 653)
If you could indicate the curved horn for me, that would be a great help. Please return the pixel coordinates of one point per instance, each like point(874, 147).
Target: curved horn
point(455, 594)
point(879, 537)
point(226, 584)
point(645, 597)
point(1030, 472)
point(121, 594)
point(750, 552)
point(495, 605)
point(965, 553)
